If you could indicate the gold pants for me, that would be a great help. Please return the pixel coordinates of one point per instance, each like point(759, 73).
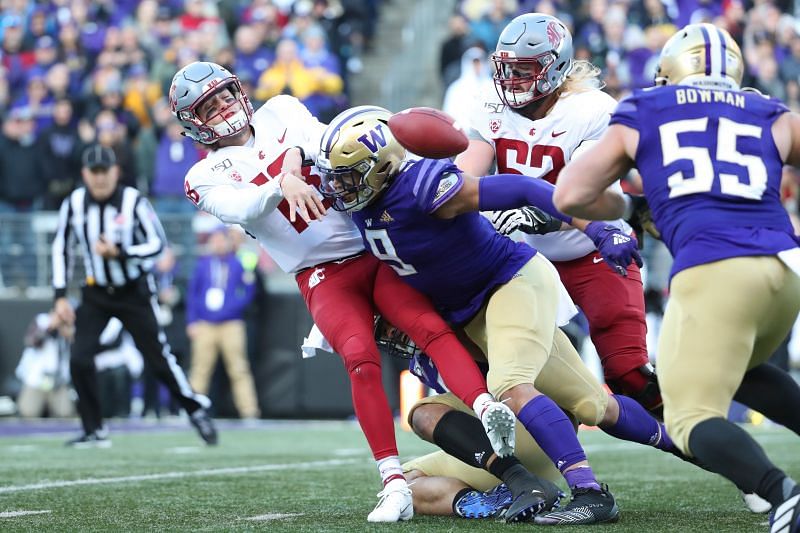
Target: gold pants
point(230, 339)
point(722, 319)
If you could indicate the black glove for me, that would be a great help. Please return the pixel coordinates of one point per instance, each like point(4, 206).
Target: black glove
point(530, 220)
point(640, 218)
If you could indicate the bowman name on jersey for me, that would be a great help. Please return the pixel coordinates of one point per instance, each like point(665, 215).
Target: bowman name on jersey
point(711, 171)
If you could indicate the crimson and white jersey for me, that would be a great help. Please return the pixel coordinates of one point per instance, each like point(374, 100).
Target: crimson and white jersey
point(236, 184)
point(541, 148)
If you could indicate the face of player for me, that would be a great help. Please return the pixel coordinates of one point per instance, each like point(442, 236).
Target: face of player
point(101, 182)
point(522, 75)
point(219, 107)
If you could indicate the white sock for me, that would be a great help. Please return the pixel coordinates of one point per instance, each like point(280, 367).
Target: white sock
point(390, 469)
point(482, 402)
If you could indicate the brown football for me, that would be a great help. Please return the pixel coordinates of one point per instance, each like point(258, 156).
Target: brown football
point(428, 132)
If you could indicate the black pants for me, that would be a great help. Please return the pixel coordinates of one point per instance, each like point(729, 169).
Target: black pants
point(134, 305)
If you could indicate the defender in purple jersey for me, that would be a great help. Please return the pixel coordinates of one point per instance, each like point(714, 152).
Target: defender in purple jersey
point(423, 220)
point(710, 155)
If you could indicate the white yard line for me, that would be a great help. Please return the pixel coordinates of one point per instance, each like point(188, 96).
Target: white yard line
point(272, 516)
point(176, 475)
point(12, 514)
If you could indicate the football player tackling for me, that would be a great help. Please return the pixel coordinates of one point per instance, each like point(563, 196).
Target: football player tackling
point(710, 155)
point(253, 176)
point(421, 217)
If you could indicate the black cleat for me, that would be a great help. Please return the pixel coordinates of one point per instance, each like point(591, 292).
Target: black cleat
point(539, 495)
point(786, 518)
point(95, 439)
point(587, 506)
point(205, 426)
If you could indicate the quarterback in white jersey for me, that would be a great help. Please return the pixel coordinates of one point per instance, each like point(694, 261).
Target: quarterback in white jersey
point(241, 185)
point(259, 174)
point(546, 109)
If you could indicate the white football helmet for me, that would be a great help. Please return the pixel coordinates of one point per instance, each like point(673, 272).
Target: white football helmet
point(192, 85)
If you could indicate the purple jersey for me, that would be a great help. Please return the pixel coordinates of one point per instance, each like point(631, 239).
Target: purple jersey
point(456, 262)
point(710, 170)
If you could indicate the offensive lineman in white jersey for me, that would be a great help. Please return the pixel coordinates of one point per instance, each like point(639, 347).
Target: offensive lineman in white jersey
point(548, 108)
point(252, 177)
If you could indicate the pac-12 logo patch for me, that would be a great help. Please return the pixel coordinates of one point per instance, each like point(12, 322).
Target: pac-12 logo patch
point(494, 125)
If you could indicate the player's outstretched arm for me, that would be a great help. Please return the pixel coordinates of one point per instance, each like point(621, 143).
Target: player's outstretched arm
point(786, 133)
point(583, 185)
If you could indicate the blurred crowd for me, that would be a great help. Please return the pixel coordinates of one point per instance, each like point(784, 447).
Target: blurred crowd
point(624, 38)
point(73, 72)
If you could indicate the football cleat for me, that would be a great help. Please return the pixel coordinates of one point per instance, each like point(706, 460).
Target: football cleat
point(95, 439)
point(755, 503)
point(499, 422)
point(587, 506)
point(540, 495)
point(205, 426)
point(395, 503)
point(489, 504)
point(786, 518)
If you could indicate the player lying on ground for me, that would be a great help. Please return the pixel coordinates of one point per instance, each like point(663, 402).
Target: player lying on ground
point(421, 217)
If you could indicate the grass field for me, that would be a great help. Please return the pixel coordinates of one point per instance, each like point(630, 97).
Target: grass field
point(316, 476)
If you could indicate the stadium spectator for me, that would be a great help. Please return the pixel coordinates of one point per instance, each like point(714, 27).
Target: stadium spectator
point(175, 155)
point(61, 149)
point(43, 369)
point(22, 186)
point(288, 75)
point(453, 49)
point(475, 80)
point(219, 292)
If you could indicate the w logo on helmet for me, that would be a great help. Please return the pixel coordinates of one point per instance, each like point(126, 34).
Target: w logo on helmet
point(373, 138)
point(554, 34)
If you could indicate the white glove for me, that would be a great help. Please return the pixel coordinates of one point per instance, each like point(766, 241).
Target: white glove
point(530, 220)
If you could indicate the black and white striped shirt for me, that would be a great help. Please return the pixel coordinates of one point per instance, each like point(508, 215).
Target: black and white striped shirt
point(127, 219)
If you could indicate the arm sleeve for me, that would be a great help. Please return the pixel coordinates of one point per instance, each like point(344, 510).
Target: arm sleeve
point(61, 248)
point(235, 205)
point(435, 182)
point(510, 191)
point(153, 232)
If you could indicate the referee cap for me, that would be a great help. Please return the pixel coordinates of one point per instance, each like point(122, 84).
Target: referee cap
point(99, 156)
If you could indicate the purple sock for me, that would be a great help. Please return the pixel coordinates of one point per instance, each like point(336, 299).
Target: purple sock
point(581, 478)
point(637, 425)
point(552, 431)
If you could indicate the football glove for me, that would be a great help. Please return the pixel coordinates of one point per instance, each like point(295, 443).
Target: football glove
point(617, 248)
point(530, 220)
point(640, 218)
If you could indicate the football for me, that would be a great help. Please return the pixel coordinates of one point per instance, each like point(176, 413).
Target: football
point(428, 132)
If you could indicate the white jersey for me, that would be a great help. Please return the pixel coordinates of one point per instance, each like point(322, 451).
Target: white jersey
point(236, 184)
point(541, 148)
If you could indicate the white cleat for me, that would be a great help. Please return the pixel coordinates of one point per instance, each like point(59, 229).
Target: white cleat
point(395, 503)
point(499, 422)
point(755, 503)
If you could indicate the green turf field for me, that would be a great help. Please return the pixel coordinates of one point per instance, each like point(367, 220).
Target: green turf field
point(317, 477)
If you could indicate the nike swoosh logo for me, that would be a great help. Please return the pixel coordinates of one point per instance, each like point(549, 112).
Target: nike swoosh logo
point(559, 133)
point(596, 260)
point(282, 137)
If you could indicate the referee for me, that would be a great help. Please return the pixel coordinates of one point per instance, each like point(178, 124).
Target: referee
point(119, 236)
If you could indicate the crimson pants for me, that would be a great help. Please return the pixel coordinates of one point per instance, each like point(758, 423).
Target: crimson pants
point(343, 298)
